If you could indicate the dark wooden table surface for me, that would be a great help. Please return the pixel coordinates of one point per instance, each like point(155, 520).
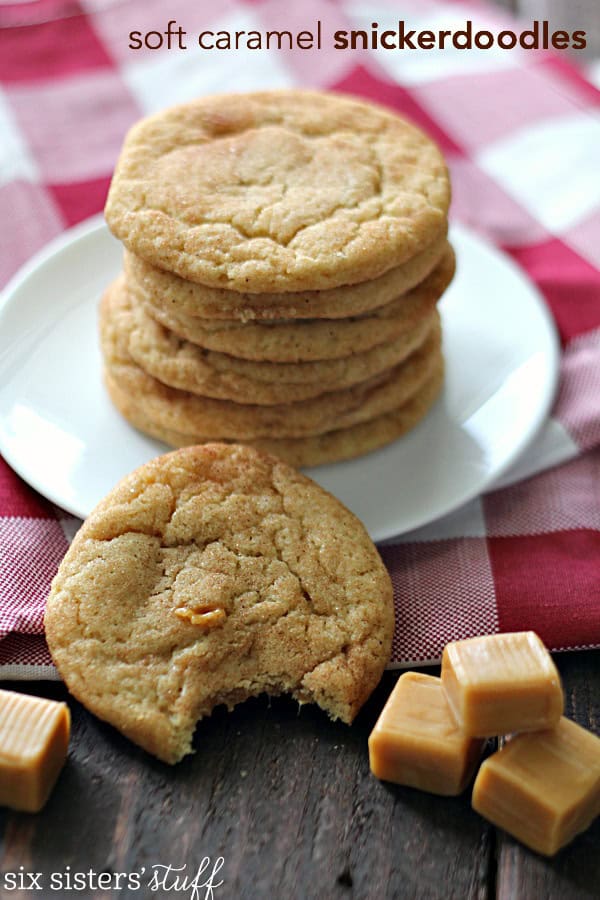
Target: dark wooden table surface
point(286, 798)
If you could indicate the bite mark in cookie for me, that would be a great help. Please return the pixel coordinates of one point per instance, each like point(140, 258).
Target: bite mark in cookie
point(307, 599)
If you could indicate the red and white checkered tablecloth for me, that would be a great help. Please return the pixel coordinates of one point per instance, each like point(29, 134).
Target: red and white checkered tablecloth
point(521, 133)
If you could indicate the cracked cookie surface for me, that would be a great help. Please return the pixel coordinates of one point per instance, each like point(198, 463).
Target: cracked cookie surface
point(278, 191)
point(210, 575)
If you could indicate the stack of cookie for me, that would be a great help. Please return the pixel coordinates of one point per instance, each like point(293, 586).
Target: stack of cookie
point(285, 252)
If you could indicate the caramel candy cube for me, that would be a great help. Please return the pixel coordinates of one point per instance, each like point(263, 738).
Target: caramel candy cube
point(416, 740)
point(34, 737)
point(502, 683)
point(543, 788)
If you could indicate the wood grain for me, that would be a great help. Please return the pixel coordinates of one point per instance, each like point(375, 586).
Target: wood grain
point(285, 796)
point(574, 873)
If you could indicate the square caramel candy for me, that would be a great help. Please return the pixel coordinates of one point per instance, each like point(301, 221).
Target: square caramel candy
point(502, 683)
point(416, 741)
point(34, 737)
point(542, 787)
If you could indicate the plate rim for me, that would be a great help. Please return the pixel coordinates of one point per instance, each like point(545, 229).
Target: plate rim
point(48, 251)
point(97, 223)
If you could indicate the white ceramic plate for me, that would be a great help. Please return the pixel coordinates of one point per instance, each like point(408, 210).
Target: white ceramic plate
point(59, 431)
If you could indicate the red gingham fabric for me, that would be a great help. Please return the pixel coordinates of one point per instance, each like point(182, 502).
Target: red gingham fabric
point(520, 131)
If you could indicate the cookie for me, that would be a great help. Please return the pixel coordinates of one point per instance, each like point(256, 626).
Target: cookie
point(188, 298)
point(331, 446)
point(188, 367)
point(278, 191)
point(210, 575)
point(303, 341)
point(217, 419)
